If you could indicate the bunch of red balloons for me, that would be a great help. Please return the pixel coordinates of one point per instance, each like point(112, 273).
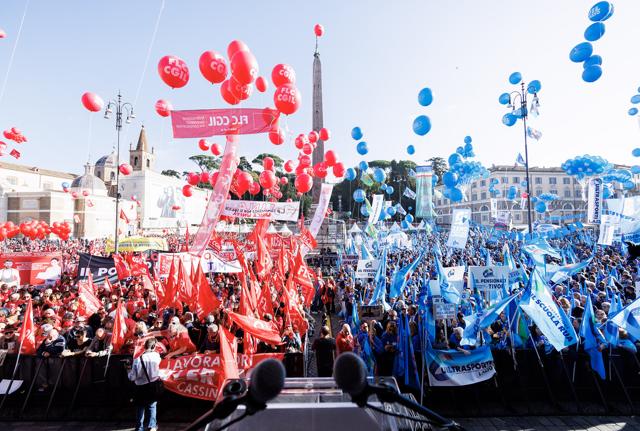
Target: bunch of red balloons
point(35, 229)
point(287, 97)
point(15, 135)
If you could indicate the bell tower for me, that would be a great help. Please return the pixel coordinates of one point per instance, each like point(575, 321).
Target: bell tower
point(141, 159)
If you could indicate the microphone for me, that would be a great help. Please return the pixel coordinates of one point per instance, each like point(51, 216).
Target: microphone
point(350, 374)
point(267, 381)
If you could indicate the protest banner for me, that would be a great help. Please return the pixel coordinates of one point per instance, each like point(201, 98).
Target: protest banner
point(459, 232)
point(489, 278)
point(367, 268)
point(202, 123)
point(35, 268)
point(455, 368)
point(99, 267)
point(282, 211)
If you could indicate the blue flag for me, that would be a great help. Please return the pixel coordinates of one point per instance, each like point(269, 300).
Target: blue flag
point(448, 292)
point(539, 305)
point(629, 319)
point(380, 280)
point(482, 319)
point(402, 276)
point(593, 338)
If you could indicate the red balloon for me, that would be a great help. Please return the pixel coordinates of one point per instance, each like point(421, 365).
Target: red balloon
point(244, 67)
point(284, 181)
point(289, 166)
point(283, 74)
point(92, 102)
point(235, 46)
point(305, 161)
point(125, 169)
point(175, 207)
point(240, 91)
point(213, 67)
point(277, 136)
point(313, 137)
point(74, 195)
point(227, 95)
point(85, 193)
point(203, 144)
point(186, 191)
point(261, 84)
point(254, 188)
point(193, 178)
point(3, 34)
point(244, 182)
point(307, 148)
point(303, 183)
point(338, 170)
point(213, 178)
point(330, 158)
point(320, 170)
point(324, 134)
point(318, 29)
point(8, 134)
point(163, 108)
point(300, 141)
point(204, 177)
point(267, 163)
point(216, 150)
point(287, 99)
point(267, 179)
point(173, 71)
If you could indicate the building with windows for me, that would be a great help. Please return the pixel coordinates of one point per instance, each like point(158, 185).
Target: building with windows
point(571, 203)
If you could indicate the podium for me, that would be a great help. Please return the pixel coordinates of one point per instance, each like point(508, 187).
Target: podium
point(310, 404)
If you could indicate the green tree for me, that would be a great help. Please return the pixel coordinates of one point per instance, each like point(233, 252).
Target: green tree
point(206, 162)
point(277, 161)
point(439, 166)
point(170, 173)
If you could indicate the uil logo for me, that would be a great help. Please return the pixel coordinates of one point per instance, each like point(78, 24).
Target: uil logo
point(450, 273)
point(487, 272)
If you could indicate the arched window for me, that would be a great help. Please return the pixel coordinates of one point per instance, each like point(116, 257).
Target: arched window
point(567, 206)
point(484, 208)
point(148, 163)
point(113, 176)
point(135, 161)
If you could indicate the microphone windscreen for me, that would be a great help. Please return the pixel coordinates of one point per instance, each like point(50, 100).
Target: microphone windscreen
point(350, 373)
point(267, 380)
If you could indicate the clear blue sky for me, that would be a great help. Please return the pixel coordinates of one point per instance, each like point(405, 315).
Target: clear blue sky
point(376, 56)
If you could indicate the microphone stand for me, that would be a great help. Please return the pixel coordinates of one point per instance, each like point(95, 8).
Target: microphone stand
point(389, 394)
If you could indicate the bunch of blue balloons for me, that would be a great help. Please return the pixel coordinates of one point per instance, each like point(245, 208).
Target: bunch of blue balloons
point(635, 99)
point(619, 175)
point(511, 118)
point(585, 166)
point(548, 197)
point(512, 192)
point(583, 52)
point(422, 123)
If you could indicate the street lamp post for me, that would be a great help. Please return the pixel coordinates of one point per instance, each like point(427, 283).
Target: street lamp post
point(127, 108)
point(520, 98)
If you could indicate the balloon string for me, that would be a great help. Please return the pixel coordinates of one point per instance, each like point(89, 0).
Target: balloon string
point(146, 61)
point(13, 51)
point(89, 137)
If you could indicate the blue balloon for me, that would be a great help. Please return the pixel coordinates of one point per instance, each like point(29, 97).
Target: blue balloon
point(356, 133)
point(456, 194)
point(425, 97)
point(509, 119)
point(449, 179)
point(411, 150)
point(363, 166)
point(467, 139)
point(594, 32)
point(404, 224)
point(389, 190)
point(379, 175)
point(592, 73)
point(65, 185)
point(628, 185)
point(635, 170)
point(515, 78)
point(534, 86)
point(581, 52)
point(454, 159)
point(601, 11)
point(362, 148)
point(504, 99)
point(350, 174)
point(359, 195)
point(435, 179)
point(364, 211)
point(421, 125)
point(607, 192)
point(635, 99)
point(633, 111)
point(636, 152)
point(409, 218)
point(494, 181)
point(591, 61)
point(391, 211)
point(540, 207)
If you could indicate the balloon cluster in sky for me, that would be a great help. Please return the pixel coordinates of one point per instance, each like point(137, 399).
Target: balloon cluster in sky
point(510, 118)
point(585, 166)
point(461, 171)
point(422, 123)
point(635, 99)
point(583, 52)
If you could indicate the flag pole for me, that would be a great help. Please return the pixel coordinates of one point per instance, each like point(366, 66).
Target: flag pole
point(15, 368)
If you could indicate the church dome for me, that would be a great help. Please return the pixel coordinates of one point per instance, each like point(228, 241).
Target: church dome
point(89, 182)
point(108, 160)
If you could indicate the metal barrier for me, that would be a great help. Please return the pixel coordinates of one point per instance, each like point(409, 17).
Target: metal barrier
point(78, 388)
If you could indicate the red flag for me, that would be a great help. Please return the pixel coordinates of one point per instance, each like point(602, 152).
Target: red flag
point(119, 328)
point(122, 267)
point(186, 292)
point(296, 318)
point(90, 284)
point(147, 283)
point(207, 301)
point(265, 302)
point(307, 239)
point(89, 302)
point(107, 285)
point(15, 153)
point(138, 265)
point(124, 217)
point(169, 296)
point(302, 276)
point(259, 230)
point(248, 300)
point(265, 331)
point(27, 332)
point(186, 239)
point(229, 352)
point(264, 263)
